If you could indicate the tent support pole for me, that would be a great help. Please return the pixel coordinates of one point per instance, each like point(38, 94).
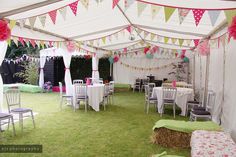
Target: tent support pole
point(194, 74)
point(223, 86)
point(206, 78)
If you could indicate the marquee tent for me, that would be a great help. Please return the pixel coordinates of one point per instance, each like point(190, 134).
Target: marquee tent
point(128, 26)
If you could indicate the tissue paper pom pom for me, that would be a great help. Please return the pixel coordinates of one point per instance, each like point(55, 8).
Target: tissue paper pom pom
point(70, 46)
point(111, 60)
point(5, 31)
point(116, 59)
point(149, 56)
point(204, 48)
point(232, 28)
point(186, 59)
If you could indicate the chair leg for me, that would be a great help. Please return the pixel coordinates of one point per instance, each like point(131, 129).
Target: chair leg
point(85, 104)
point(32, 116)
point(13, 126)
point(21, 121)
point(148, 107)
point(174, 110)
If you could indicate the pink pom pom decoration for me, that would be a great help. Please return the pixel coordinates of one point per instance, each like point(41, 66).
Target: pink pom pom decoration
point(204, 48)
point(232, 28)
point(116, 59)
point(5, 31)
point(70, 46)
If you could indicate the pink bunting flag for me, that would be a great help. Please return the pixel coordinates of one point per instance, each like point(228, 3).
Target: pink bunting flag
point(198, 13)
point(128, 29)
point(196, 42)
point(73, 7)
point(115, 2)
point(53, 16)
point(183, 51)
point(32, 41)
point(50, 43)
point(125, 50)
point(22, 41)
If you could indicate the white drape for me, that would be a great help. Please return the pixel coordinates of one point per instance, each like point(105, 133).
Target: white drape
point(95, 73)
point(68, 82)
point(41, 75)
point(3, 49)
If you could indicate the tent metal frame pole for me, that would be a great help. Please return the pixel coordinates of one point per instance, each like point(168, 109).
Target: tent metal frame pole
point(27, 8)
point(206, 78)
point(223, 86)
point(194, 74)
point(130, 22)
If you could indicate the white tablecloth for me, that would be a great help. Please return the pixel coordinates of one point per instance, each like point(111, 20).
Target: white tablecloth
point(182, 96)
point(95, 95)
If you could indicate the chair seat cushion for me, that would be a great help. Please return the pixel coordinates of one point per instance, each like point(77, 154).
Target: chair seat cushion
point(169, 101)
point(199, 112)
point(151, 98)
point(198, 108)
point(2, 115)
point(82, 97)
point(21, 110)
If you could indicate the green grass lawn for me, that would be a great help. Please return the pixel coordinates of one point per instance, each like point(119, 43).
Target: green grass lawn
point(123, 130)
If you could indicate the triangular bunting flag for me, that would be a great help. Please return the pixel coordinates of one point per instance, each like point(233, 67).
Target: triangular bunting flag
point(213, 43)
point(32, 21)
point(139, 31)
point(173, 40)
point(22, 41)
point(50, 43)
point(42, 19)
point(155, 10)
point(15, 41)
point(128, 28)
point(22, 23)
point(9, 42)
point(73, 7)
point(146, 34)
point(182, 14)
point(222, 39)
point(229, 15)
point(53, 15)
point(85, 3)
point(166, 39)
point(12, 23)
point(213, 14)
point(196, 42)
point(114, 3)
point(104, 40)
point(141, 6)
point(188, 42)
point(63, 11)
point(128, 3)
point(181, 41)
point(32, 41)
point(152, 36)
point(198, 13)
point(42, 44)
point(91, 42)
point(168, 12)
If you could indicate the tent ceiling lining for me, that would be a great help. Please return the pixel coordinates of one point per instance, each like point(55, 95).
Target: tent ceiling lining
point(27, 8)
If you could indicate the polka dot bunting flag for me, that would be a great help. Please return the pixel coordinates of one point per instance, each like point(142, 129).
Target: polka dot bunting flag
point(198, 13)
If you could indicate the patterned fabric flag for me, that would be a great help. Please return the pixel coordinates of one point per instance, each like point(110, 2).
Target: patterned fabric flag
point(182, 14)
point(146, 34)
point(213, 14)
point(12, 24)
point(128, 3)
point(181, 41)
point(188, 42)
point(53, 15)
point(229, 15)
point(22, 41)
point(173, 40)
point(141, 6)
point(32, 21)
point(62, 11)
point(22, 23)
point(27, 42)
point(128, 28)
point(104, 40)
point(15, 41)
point(152, 36)
point(42, 19)
point(155, 10)
point(196, 42)
point(198, 13)
point(115, 2)
point(168, 12)
point(166, 39)
point(73, 7)
point(85, 3)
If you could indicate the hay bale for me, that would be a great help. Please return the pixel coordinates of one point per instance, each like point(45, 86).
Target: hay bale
point(170, 138)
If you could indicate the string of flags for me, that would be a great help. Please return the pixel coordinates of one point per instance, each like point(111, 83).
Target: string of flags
point(146, 69)
point(23, 58)
point(182, 12)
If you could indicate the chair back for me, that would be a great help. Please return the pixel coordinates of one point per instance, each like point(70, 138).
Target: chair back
point(138, 81)
point(112, 86)
point(78, 81)
point(210, 101)
point(106, 89)
point(145, 81)
point(100, 81)
point(169, 93)
point(60, 88)
point(13, 98)
point(80, 90)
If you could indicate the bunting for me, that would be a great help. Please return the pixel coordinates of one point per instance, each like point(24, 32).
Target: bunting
point(198, 13)
point(12, 24)
point(229, 15)
point(42, 19)
point(141, 6)
point(73, 7)
point(152, 36)
point(114, 3)
point(181, 41)
point(32, 21)
point(128, 3)
point(166, 39)
point(63, 11)
point(85, 3)
point(173, 40)
point(196, 42)
point(155, 10)
point(182, 14)
point(213, 14)
point(168, 12)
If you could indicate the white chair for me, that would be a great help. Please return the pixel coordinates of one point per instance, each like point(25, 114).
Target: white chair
point(148, 98)
point(78, 82)
point(13, 100)
point(112, 90)
point(65, 98)
point(81, 95)
point(197, 102)
point(144, 83)
point(106, 95)
point(100, 81)
point(168, 98)
point(201, 111)
point(137, 85)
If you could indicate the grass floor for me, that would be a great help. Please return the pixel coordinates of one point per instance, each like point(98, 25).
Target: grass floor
point(123, 130)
